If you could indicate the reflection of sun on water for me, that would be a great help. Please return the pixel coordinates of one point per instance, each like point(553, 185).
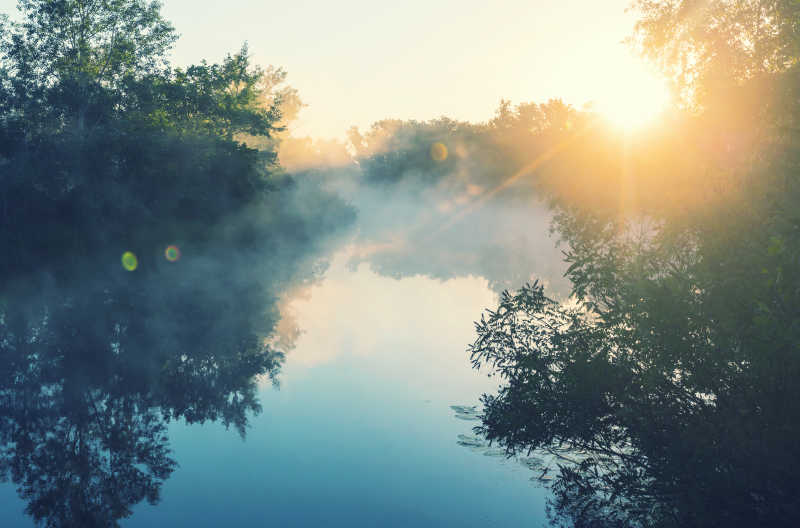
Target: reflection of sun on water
point(631, 96)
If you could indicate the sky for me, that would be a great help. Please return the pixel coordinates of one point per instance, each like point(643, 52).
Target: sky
point(355, 61)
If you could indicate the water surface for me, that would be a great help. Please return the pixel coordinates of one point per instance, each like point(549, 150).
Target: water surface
point(360, 432)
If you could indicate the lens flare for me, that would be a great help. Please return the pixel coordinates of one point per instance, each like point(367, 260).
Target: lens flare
point(172, 253)
point(438, 152)
point(129, 261)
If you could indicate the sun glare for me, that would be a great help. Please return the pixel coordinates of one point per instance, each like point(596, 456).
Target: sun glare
point(633, 98)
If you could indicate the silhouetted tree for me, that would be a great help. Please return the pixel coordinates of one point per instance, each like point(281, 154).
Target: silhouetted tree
point(106, 151)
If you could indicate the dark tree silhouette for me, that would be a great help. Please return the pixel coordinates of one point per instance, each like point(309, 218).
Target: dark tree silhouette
point(108, 158)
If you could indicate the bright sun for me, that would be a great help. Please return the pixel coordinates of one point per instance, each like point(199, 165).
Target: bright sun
point(632, 98)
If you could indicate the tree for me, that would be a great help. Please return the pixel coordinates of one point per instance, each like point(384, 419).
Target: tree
point(706, 45)
point(68, 59)
point(146, 244)
point(670, 376)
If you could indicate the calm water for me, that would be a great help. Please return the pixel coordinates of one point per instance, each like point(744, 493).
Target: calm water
point(360, 432)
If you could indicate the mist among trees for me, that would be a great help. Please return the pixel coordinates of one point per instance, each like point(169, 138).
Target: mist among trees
point(648, 328)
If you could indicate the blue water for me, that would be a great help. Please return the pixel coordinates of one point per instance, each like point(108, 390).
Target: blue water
point(360, 433)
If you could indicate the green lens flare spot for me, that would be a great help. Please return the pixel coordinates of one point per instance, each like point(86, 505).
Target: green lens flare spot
point(172, 253)
point(129, 261)
point(438, 152)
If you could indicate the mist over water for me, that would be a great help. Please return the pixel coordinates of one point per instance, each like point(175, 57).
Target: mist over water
point(183, 269)
point(578, 311)
point(372, 289)
point(442, 199)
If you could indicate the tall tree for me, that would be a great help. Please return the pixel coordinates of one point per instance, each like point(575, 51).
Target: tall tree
point(144, 244)
point(671, 376)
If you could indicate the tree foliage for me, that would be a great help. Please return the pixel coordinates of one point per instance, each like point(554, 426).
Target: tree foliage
point(671, 374)
point(705, 45)
point(106, 150)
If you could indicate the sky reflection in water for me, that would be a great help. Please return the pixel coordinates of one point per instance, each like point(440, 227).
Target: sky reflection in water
point(349, 438)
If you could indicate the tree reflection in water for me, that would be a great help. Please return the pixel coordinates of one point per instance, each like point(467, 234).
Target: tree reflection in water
point(84, 404)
